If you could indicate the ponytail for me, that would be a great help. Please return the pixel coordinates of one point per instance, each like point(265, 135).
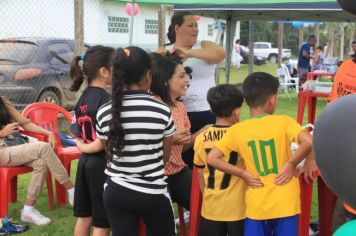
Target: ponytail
point(130, 65)
point(95, 58)
point(171, 35)
point(116, 137)
point(76, 73)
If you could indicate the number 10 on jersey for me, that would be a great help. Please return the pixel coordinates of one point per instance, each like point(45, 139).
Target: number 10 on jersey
point(267, 149)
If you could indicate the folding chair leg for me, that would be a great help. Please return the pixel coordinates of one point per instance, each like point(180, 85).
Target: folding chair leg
point(5, 195)
point(13, 192)
point(60, 190)
point(50, 191)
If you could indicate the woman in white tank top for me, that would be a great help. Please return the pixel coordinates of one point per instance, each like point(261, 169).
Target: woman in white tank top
point(202, 58)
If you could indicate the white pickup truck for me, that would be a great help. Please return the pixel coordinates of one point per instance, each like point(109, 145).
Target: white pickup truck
point(266, 50)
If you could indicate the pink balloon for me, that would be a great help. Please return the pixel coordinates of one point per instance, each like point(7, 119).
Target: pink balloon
point(197, 17)
point(129, 7)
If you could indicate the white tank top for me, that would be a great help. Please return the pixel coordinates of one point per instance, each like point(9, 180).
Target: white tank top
point(203, 78)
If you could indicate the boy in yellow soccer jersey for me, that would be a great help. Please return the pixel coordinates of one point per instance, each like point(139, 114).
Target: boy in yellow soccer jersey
point(263, 142)
point(223, 210)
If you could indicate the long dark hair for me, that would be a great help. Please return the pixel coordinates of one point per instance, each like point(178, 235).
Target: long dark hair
point(95, 58)
point(163, 68)
point(130, 65)
point(177, 19)
point(5, 116)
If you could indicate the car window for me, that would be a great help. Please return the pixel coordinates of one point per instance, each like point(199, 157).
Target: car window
point(256, 45)
point(60, 53)
point(16, 52)
point(263, 46)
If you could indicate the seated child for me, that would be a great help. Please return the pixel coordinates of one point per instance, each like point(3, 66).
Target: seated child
point(223, 210)
point(263, 142)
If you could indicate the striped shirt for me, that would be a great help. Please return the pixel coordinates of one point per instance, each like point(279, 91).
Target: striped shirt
point(146, 122)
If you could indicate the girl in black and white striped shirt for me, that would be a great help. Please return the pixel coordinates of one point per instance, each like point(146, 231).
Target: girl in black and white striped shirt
point(138, 132)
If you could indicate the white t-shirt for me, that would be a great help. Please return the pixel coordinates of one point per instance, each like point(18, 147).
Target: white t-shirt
point(203, 78)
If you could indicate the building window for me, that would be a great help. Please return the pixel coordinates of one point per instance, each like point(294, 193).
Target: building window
point(210, 29)
point(118, 24)
point(151, 26)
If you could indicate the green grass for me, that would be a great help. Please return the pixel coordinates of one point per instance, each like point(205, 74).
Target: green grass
point(239, 76)
point(63, 221)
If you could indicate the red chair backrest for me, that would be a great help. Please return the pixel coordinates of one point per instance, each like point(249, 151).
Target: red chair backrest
point(46, 115)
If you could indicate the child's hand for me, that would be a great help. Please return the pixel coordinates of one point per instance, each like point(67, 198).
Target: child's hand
point(287, 172)
point(309, 167)
point(251, 180)
point(9, 129)
point(182, 136)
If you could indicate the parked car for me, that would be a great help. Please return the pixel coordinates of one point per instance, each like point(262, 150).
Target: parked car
point(257, 60)
point(36, 70)
point(266, 49)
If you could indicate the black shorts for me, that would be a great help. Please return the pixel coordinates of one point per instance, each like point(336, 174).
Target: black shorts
point(126, 206)
point(221, 228)
point(89, 188)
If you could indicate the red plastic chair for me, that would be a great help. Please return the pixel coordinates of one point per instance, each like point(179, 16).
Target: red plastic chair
point(195, 205)
point(46, 115)
point(8, 182)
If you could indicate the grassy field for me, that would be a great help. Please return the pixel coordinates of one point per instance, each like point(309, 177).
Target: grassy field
point(62, 220)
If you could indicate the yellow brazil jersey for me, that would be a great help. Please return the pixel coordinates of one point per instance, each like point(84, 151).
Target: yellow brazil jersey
point(224, 195)
point(264, 143)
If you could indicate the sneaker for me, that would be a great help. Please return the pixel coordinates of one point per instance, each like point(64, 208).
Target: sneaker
point(4, 231)
point(9, 227)
point(71, 199)
point(186, 218)
point(34, 217)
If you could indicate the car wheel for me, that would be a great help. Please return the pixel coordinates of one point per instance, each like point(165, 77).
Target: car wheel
point(273, 59)
point(49, 97)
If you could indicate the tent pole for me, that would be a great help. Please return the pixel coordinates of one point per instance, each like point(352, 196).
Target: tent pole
point(230, 34)
point(280, 42)
point(132, 22)
point(161, 26)
point(251, 36)
point(317, 33)
point(301, 35)
point(79, 36)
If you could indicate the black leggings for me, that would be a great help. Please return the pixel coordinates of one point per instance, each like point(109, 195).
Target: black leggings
point(124, 207)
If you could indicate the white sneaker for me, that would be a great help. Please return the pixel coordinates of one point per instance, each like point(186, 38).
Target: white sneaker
point(186, 216)
point(34, 217)
point(71, 199)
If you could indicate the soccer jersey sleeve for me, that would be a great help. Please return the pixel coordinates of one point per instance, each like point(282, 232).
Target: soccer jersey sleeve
point(293, 130)
point(228, 143)
point(199, 152)
point(170, 128)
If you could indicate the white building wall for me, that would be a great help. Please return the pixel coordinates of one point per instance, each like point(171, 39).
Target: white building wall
point(55, 18)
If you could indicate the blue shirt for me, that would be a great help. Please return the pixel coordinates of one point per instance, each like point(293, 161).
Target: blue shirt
point(303, 61)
